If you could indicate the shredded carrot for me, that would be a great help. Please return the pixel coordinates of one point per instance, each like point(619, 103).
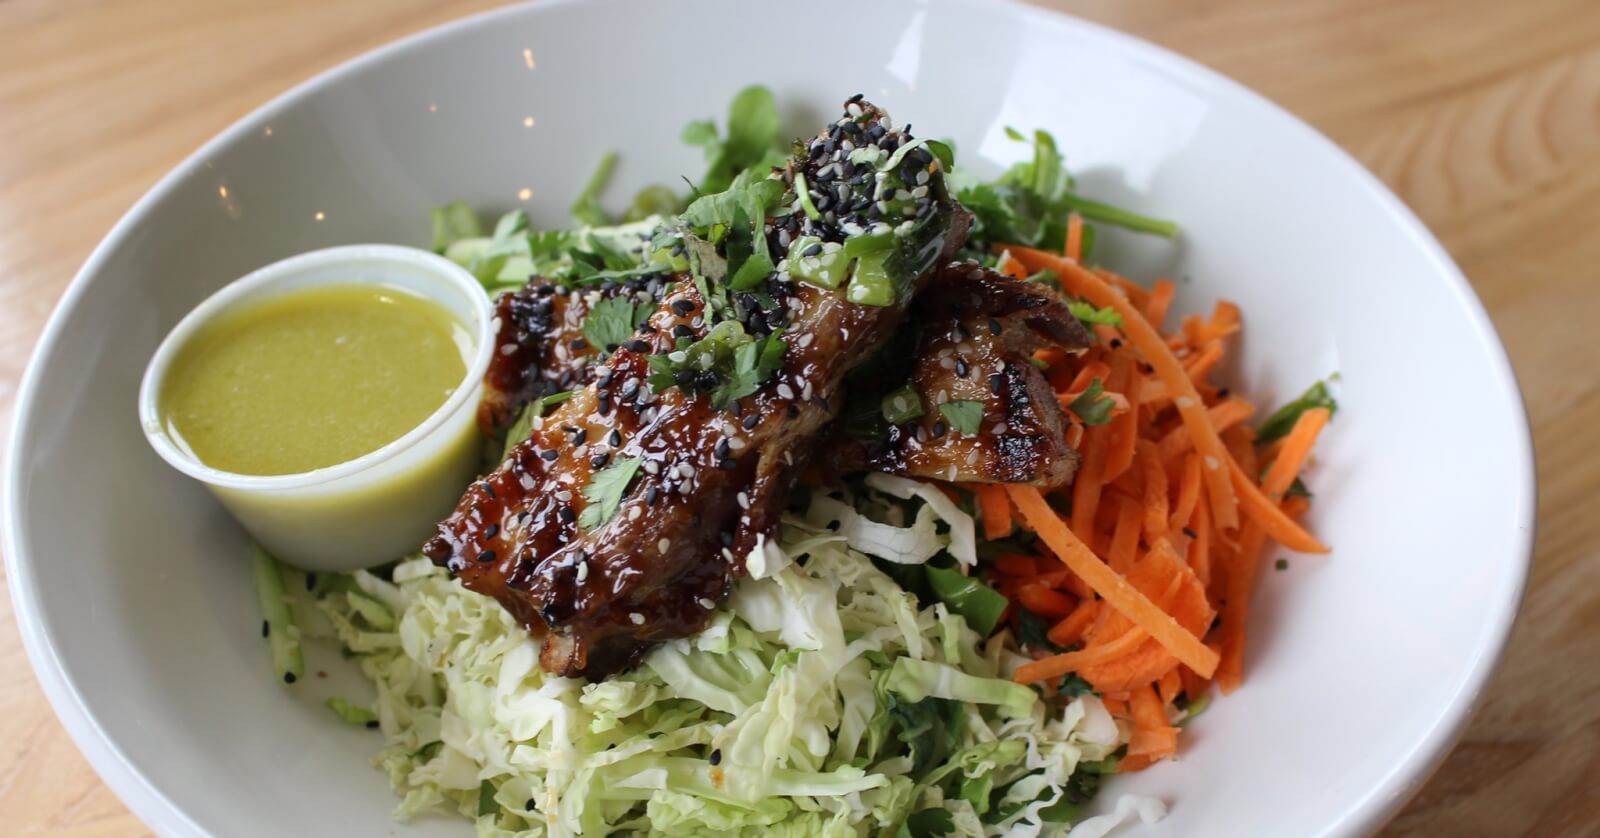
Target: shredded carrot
point(1086, 485)
point(1046, 603)
point(1056, 666)
point(1200, 547)
point(1111, 587)
point(1125, 426)
point(1155, 490)
point(1170, 686)
point(1296, 449)
point(1145, 338)
point(1263, 511)
point(1223, 415)
point(1188, 493)
point(1009, 266)
point(1074, 248)
point(1125, 536)
point(1160, 301)
point(1070, 630)
point(995, 508)
point(1017, 564)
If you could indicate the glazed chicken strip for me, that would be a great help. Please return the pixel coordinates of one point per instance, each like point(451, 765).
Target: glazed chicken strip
point(625, 516)
point(977, 332)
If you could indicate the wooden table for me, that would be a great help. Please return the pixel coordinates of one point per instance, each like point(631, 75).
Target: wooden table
point(1484, 115)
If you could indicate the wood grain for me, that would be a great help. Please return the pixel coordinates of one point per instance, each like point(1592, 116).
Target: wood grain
point(1483, 115)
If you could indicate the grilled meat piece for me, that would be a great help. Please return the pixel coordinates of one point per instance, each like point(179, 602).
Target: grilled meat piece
point(978, 330)
point(696, 487)
point(541, 345)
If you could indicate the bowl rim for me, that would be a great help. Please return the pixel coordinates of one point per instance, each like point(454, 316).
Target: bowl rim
point(266, 280)
point(1383, 799)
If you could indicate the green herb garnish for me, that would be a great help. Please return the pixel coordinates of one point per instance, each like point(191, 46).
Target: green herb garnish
point(965, 417)
point(1089, 316)
point(1093, 406)
point(1282, 420)
point(612, 321)
point(605, 490)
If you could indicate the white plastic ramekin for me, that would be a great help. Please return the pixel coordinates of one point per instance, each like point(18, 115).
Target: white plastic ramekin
point(381, 505)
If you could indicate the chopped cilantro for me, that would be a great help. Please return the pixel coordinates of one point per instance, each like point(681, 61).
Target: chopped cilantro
point(964, 416)
point(486, 804)
point(1093, 406)
point(1282, 564)
point(1073, 686)
point(1282, 420)
point(751, 141)
point(727, 363)
point(1088, 315)
point(612, 321)
point(928, 823)
point(1033, 632)
point(605, 490)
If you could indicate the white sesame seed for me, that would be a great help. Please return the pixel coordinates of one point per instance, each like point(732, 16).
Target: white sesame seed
point(706, 603)
point(563, 496)
point(677, 357)
point(1183, 402)
point(805, 391)
point(736, 444)
point(526, 481)
point(634, 512)
point(785, 391)
point(685, 470)
point(744, 501)
point(727, 553)
point(508, 348)
point(788, 459)
point(583, 571)
point(947, 363)
point(652, 467)
point(999, 428)
point(853, 109)
point(636, 618)
point(663, 545)
point(804, 341)
point(922, 177)
point(919, 193)
point(1211, 463)
point(972, 457)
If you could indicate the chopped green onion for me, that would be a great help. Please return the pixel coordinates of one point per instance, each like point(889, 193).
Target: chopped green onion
point(359, 716)
point(871, 285)
point(804, 192)
point(374, 612)
point(283, 636)
point(826, 269)
point(862, 245)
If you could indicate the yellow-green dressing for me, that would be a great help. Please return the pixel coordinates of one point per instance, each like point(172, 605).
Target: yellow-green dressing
point(312, 378)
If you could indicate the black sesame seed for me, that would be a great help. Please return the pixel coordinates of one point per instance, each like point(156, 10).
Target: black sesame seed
point(529, 805)
point(727, 538)
point(288, 677)
point(938, 430)
point(716, 756)
point(1223, 393)
point(372, 724)
point(599, 460)
point(650, 496)
point(682, 331)
point(604, 404)
point(579, 344)
point(997, 383)
point(812, 250)
point(491, 531)
point(793, 410)
point(1116, 343)
point(637, 345)
point(615, 439)
point(722, 448)
point(630, 388)
point(994, 326)
point(961, 368)
point(266, 628)
point(1191, 533)
point(311, 581)
point(833, 526)
point(549, 455)
point(682, 307)
point(486, 556)
point(750, 422)
point(727, 465)
point(567, 515)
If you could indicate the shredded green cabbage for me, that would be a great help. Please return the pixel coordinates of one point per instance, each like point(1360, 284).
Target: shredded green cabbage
point(821, 700)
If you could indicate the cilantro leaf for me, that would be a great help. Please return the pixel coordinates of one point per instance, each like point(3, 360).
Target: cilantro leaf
point(605, 490)
point(1073, 686)
point(1088, 315)
point(654, 199)
point(978, 603)
point(1282, 420)
point(612, 321)
point(522, 428)
point(587, 210)
point(964, 416)
point(1093, 406)
point(752, 138)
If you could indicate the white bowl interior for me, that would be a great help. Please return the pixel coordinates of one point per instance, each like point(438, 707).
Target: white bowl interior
point(133, 586)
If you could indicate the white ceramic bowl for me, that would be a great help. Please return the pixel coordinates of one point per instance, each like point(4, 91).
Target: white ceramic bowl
point(132, 587)
point(370, 509)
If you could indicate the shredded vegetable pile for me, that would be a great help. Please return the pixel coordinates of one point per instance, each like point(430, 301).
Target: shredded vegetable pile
point(907, 658)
